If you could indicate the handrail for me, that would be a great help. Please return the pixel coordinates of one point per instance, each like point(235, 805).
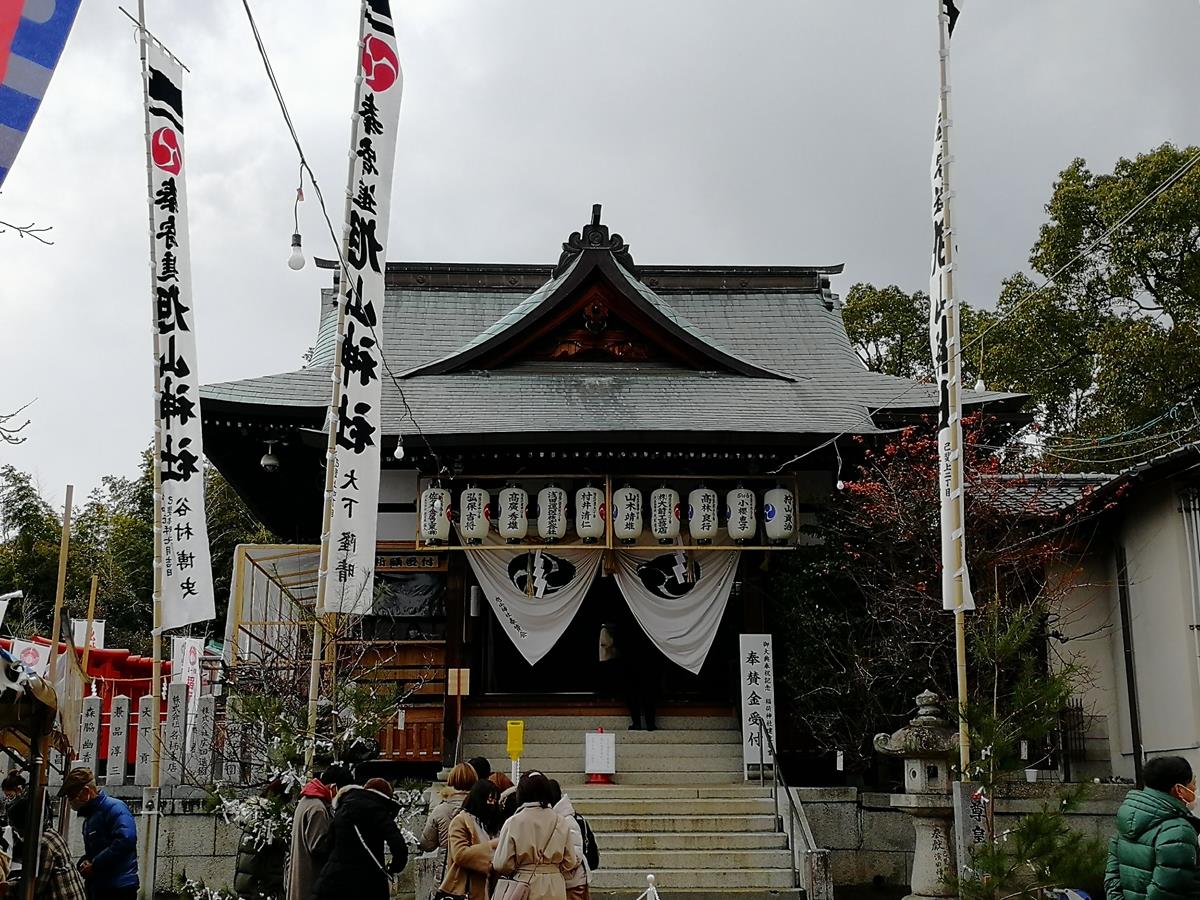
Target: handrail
point(795, 814)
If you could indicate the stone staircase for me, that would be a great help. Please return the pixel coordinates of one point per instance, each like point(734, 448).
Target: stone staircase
point(679, 808)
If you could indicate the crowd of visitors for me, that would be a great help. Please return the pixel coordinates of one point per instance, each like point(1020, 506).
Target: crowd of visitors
point(500, 841)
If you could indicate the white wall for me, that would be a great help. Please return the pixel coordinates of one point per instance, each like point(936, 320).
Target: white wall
point(1163, 624)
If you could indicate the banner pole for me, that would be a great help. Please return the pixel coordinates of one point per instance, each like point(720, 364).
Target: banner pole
point(64, 547)
point(148, 836)
point(320, 613)
point(956, 524)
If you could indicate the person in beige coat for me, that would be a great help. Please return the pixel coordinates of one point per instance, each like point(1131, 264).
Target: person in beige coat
point(535, 844)
point(472, 842)
point(436, 833)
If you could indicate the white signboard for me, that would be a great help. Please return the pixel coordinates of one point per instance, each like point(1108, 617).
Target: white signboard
point(79, 633)
point(758, 698)
point(600, 757)
point(34, 656)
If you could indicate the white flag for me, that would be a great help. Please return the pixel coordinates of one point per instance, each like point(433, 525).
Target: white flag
point(187, 591)
point(349, 579)
point(947, 368)
point(34, 656)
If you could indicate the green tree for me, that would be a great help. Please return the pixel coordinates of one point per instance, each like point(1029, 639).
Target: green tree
point(889, 330)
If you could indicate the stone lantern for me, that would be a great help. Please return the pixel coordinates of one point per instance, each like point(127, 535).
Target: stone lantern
point(927, 745)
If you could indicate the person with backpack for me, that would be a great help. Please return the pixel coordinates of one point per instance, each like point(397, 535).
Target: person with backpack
point(582, 839)
point(1153, 855)
point(534, 853)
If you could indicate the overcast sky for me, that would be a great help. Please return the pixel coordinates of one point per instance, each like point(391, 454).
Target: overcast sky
point(713, 132)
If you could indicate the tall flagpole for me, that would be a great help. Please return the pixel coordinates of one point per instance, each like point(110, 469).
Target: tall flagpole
point(955, 522)
point(148, 837)
point(320, 612)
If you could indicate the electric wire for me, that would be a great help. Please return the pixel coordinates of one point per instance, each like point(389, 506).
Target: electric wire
point(344, 269)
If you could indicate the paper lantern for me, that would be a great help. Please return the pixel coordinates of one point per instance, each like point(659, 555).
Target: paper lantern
point(474, 514)
point(589, 514)
point(664, 514)
point(739, 514)
point(627, 514)
point(435, 515)
point(552, 513)
point(513, 522)
point(779, 514)
point(702, 515)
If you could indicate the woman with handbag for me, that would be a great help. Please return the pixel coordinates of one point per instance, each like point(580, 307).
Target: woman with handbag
point(364, 825)
point(534, 848)
point(472, 843)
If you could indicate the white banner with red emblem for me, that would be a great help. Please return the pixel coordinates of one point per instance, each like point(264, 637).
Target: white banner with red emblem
point(187, 591)
point(349, 579)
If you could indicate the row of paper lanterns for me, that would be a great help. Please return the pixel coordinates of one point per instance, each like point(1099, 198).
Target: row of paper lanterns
point(666, 516)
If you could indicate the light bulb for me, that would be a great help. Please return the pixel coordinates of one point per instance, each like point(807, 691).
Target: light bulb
point(841, 485)
point(296, 260)
point(398, 453)
point(979, 386)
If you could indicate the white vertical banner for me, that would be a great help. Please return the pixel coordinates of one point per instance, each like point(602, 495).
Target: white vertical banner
point(757, 671)
point(186, 654)
point(946, 347)
point(174, 736)
point(79, 633)
point(187, 591)
point(349, 579)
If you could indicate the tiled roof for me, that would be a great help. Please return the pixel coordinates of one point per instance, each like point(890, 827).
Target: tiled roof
point(1044, 494)
point(793, 331)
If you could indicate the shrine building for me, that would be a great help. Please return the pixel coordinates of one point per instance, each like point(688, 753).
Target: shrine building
point(594, 442)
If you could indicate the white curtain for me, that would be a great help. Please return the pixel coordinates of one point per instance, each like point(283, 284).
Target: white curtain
point(679, 597)
point(534, 593)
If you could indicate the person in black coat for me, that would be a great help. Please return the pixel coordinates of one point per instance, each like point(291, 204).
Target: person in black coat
point(364, 824)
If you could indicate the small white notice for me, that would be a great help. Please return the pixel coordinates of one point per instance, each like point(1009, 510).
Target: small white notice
point(758, 699)
point(600, 756)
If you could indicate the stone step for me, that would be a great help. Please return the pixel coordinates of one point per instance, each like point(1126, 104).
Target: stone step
point(472, 723)
point(690, 858)
point(661, 792)
point(738, 893)
point(692, 879)
point(627, 779)
point(617, 841)
point(643, 807)
point(574, 760)
point(682, 822)
point(535, 735)
point(573, 744)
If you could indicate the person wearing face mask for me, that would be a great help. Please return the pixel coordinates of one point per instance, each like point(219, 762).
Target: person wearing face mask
point(1153, 855)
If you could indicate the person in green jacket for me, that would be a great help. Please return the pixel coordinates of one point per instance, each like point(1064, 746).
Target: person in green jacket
point(1153, 855)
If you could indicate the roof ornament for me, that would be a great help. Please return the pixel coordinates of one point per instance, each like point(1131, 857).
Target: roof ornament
point(595, 237)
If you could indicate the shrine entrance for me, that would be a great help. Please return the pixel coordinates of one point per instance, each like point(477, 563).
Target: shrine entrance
point(573, 668)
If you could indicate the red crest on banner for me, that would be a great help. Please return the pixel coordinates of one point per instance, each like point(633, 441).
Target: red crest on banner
point(379, 64)
point(164, 148)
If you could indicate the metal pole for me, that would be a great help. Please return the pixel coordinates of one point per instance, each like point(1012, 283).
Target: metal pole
point(318, 640)
point(954, 360)
point(148, 838)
